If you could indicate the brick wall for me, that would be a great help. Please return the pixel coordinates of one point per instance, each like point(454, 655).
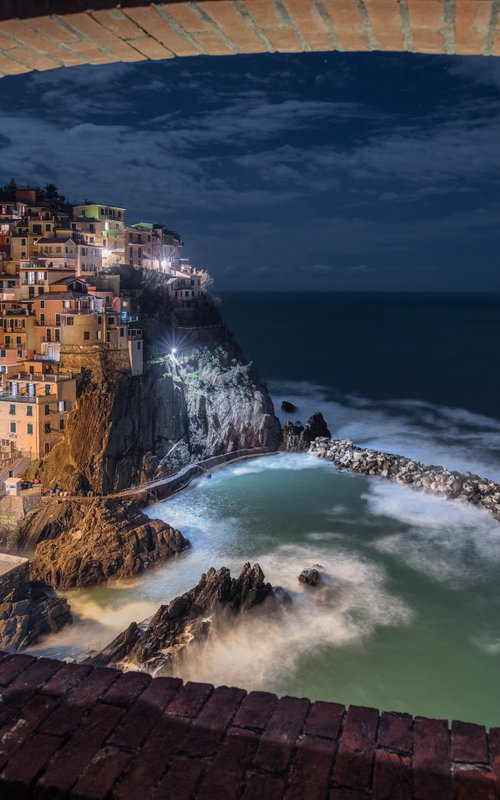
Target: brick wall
point(44, 34)
point(71, 731)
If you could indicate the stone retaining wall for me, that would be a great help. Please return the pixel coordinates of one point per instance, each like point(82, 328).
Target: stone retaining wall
point(71, 731)
point(463, 486)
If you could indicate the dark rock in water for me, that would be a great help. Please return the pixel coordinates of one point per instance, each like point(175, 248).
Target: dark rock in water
point(288, 407)
point(310, 576)
point(109, 540)
point(28, 610)
point(297, 437)
point(217, 600)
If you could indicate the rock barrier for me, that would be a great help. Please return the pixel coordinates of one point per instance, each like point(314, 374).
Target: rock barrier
point(437, 480)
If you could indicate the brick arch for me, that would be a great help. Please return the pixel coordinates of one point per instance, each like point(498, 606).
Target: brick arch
point(45, 34)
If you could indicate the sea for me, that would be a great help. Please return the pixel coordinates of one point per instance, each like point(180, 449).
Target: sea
point(410, 619)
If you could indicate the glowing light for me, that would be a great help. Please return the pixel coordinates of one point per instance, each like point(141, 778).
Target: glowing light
point(164, 263)
point(106, 253)
point(173, 351)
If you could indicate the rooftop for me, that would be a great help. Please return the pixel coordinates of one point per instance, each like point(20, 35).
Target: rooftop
point(73, 731)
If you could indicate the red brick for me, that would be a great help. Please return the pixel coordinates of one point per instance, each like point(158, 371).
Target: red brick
point(472, 26)
point(426, 13)
point(311, 24)
point(468, 743)
point(29, 37)
point(72, 759)
point(180, 780)
point(8, 67)
point(234, 25)
point(344, 12)
point(386, 23)
point(432, 760)
point(278, 740)
point(190, 699)
point(200, 30)
point(392, 777)
point(313, 764)
point(150, 763)
point(265, 15)
point(144, 714)
point(100, 774)
point(35, 675)
point(80, 700)
point(22, 725)
point(353, 765)
point(325, 720)
point(212, 722)
point(494, 742)
point(12, 666)
point(161, 31)
point(395, 732)
point(26, 764)
point(425, 41)
point(256, 710)
point(100, 37)
point(69, 676)
point(127, 688)
point(473, 783)
point(343, 793)
point(263, 787)
point(225, 776)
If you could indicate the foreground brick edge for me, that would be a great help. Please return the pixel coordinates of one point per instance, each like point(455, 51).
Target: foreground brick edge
point(72, 731)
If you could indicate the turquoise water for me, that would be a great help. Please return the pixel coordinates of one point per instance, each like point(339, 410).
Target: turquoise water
point(411, 620)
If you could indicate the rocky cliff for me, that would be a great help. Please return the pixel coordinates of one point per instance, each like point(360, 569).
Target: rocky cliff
point(28, 610)
point(99, 540)
point(192, 618)
point(206, 400)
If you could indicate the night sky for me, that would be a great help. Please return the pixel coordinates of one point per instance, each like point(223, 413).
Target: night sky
point(337, 171)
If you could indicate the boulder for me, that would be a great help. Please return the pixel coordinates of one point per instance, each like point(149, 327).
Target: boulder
point(216, 601)
point(111, 540)
point(28, 610)
point(310, 576)
point(298, 437)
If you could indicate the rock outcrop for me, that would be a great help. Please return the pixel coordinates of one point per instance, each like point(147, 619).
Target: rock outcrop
point(28, 610)
point(216, 601)
point(109, 540)
point(298, 437)
point(290, 408)
point(207, 401)
point(463, 486)
point(311, 576)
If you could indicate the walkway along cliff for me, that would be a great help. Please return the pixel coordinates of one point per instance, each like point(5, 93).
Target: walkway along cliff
point(203, 400)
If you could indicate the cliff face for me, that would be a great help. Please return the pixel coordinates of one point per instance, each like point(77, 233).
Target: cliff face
point(206, 400)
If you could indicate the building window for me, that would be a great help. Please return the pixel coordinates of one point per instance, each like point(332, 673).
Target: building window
point(29, 428)
point(42, 303)
point(69, 321)
point(61, 424)
point(19, 353)
point(29, 411)
point(122, 332)
point(86, 335)
point(139, 345)
point(2, 353)
point(11, 284)
point(12, 408)
point(47, 389)
point(61, 406)
point(46, 427)
point(12, 427)
point(18, 340)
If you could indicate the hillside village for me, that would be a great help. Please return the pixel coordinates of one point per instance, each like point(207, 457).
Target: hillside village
point(63, 299)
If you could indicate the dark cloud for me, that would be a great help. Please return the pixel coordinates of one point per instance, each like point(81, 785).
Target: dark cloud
point(358, 170)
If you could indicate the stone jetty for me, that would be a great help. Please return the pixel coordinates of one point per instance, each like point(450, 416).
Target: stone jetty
point(462, 486)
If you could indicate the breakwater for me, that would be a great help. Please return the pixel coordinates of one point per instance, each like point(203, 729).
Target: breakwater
point(437, 480)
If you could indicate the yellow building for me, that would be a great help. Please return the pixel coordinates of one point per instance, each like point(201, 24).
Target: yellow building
point(33, 411)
